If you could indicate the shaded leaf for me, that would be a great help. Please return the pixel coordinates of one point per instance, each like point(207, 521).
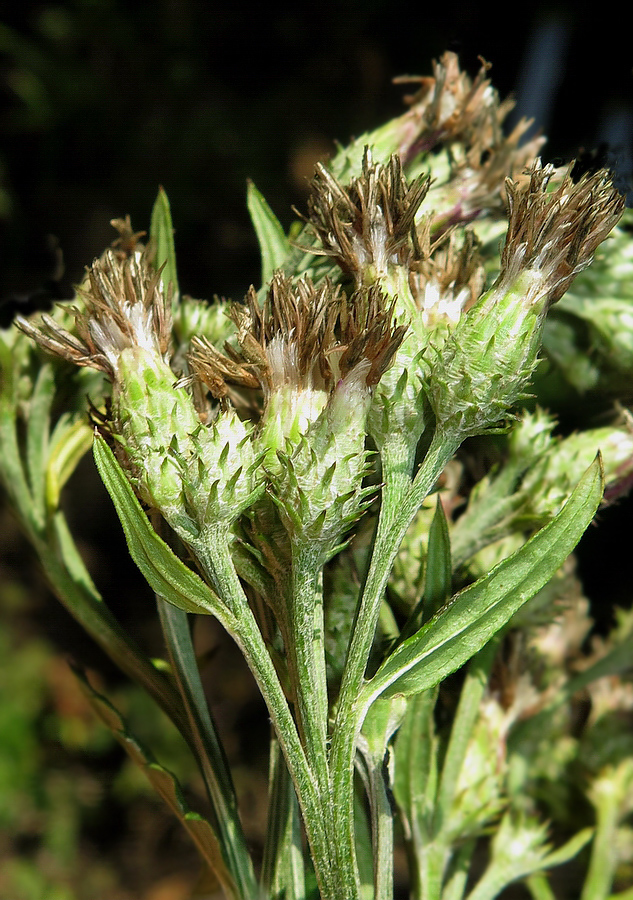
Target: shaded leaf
point(439, 571)
point(37, 435)
point(166, 786)
point(210, 753)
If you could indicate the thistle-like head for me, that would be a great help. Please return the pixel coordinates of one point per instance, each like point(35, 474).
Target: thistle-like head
point(124, 308)
point(486, 363)
point(368, 227)
point(304, 349)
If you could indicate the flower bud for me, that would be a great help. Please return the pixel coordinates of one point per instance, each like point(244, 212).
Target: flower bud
point(196, 476)
point(486, 363)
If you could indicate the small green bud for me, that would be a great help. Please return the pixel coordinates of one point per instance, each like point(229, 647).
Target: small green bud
point(548, 484)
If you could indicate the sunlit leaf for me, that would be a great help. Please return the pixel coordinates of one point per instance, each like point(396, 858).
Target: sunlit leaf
point(167, 575)
point(162, 232)
point(273, 243)
point(474, 615)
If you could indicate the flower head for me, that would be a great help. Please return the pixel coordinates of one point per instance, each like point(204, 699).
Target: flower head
point(487, 361)
point(304, 347)
point(197, 477)
point(316, 356)
point(368, 226)
point(124, 307)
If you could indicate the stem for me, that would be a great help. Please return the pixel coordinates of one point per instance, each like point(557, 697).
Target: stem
point(241, 624)
point(607, 798)
point(283, 872)
point(382, 834)
point(455, 886)
point(401, 500)
point(208, 749)
point(307, 652)
point(539, 887)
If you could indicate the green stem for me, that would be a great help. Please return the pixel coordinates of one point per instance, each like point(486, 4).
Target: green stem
point(382, 834)
point(283, 872)
point(455, 886)
point(241, 624)
point(539, 887)
point(401, 500)
point(307, 652)
point(603, 861)
point(208, 749)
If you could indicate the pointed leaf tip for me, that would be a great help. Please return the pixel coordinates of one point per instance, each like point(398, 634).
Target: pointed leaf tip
point(273, 243)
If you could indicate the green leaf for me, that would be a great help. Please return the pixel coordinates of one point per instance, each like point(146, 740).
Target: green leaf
point(37, 431)
point(70, 441)
point(439, 571)
point(166, 786)
point(167, 575)
point(415, 767)
point(273, 243)
point(283, 872)
point(474, 615)
point(210, 753)
point(162, 232)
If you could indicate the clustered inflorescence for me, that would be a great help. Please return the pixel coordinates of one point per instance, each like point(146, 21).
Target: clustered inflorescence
point(290, 445)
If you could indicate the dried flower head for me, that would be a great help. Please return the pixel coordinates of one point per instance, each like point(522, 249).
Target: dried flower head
point(303, 337)
point(449, 281)
point(451, 109)
point(124, 306)
point(368, 226)
point(489, 357)
point(556, 233)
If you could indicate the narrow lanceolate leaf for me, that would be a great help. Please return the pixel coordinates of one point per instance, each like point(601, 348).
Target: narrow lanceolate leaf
point(437, 583)
point(224, 817)
point(166, 786)
point(474, 615)
point(162, 232)
point(167, 575)
point(37, 437)
point(273, 243)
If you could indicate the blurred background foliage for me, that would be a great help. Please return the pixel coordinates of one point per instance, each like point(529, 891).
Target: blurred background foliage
point(100, 102)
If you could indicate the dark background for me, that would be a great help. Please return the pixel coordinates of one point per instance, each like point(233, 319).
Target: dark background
point(102, 100)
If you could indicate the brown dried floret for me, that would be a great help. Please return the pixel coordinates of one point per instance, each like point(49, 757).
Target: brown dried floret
point(371, 222)
point(124, 306)
point(302, 336)
point(557, 232)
